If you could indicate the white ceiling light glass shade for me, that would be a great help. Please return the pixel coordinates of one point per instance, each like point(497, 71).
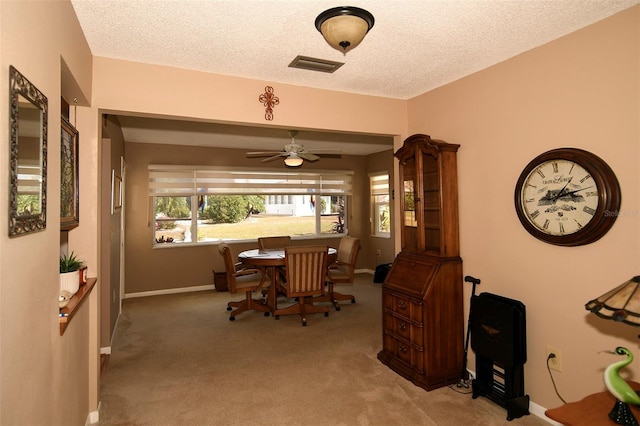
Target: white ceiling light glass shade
point(293, 160)
point(344, 27)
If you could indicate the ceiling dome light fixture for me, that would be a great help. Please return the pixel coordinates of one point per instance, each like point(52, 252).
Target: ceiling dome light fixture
point(293, 160)
point(344, 27)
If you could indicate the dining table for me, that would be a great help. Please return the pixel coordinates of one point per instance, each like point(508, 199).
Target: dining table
point(271, 260)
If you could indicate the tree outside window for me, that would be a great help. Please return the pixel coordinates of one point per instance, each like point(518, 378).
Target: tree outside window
point(245, 217)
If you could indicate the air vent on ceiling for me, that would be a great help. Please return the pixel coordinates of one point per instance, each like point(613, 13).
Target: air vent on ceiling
point(315, 64)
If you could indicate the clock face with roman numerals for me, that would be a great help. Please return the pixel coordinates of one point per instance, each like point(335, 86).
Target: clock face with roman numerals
point(567, 197)
point(559, 197)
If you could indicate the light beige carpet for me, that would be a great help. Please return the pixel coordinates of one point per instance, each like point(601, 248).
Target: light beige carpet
point(178, 360)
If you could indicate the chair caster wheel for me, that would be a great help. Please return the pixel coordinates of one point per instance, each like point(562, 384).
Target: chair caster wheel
point(337, 308)
point(266, 314)
point(353, 300)
point(232, 318)
point(326, 314)
point(277, 317)
point(229, 308)
point(304, 323)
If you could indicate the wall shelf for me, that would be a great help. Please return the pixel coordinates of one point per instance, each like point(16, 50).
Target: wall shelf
point(75, 302)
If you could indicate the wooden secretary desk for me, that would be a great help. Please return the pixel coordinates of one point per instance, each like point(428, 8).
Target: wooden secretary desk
point(422, 295)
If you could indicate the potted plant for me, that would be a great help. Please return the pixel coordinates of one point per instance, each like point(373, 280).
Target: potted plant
point(70, 272)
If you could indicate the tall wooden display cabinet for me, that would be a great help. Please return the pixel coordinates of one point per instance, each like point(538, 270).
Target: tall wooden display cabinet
point(422, 295)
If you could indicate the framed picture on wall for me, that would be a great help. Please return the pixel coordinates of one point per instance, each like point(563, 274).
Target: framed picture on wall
point(116, 192)
point(69, 184)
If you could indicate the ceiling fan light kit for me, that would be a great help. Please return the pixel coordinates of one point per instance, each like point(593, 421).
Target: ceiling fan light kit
point(293, 160)
point(344, 27)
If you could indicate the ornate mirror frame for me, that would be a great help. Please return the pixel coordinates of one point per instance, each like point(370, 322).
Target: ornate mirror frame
point(27, 181)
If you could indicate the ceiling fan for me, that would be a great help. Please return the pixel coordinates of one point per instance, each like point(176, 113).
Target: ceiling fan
point(294, 153)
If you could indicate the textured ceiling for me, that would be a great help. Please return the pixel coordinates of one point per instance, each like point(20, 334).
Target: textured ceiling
point(414, 46)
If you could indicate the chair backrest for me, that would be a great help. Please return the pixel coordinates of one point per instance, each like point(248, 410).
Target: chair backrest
point(229, 266)
point(271, 243)
point(305, 268)
point(346, 259)
point(239, 278)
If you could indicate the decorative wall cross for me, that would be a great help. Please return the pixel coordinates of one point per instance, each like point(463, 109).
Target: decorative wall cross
point(269, 100)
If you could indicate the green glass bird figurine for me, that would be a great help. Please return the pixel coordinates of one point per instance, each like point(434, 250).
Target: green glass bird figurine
point(621, 412)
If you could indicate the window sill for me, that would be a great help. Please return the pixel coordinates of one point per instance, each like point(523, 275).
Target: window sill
point(75, 302)
point(168, 246)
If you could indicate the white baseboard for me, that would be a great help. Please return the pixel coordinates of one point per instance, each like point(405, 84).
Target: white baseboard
point(539, 411)
point(199, 288)
point(94, 416)
point(169, 291)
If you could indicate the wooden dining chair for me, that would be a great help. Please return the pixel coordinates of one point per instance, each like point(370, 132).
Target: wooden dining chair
point(305, 268)
point(273, 243)
point(342, 271)
point(244, 280)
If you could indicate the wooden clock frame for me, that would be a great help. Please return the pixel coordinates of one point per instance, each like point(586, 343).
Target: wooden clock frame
point(608, 203)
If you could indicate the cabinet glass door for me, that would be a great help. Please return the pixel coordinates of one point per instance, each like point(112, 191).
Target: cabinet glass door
point(431, 205)
point(409, 204)
point(409, 208)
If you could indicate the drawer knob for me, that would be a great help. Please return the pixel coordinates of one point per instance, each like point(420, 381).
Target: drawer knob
point(403, 326)
point(403, 348)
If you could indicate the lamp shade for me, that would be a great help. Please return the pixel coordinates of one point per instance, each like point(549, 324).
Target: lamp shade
point(293, 160)
point(621, 304)
point(344, 27)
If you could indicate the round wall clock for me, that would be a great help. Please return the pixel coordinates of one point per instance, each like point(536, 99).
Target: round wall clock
point(567, 197)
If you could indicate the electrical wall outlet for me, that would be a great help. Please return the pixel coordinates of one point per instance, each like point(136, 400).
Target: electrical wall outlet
point(378, 252)
point(555, 363)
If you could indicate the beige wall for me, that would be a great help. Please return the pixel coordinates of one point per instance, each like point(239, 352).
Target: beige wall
point(111, 149)
point(141, 88)
point(45, 378)
point(579, 91)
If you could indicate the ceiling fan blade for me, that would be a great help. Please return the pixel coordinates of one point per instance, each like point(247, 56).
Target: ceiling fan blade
point(275, 157)
point(324, 151)
point(308, 156)
point(263, 153)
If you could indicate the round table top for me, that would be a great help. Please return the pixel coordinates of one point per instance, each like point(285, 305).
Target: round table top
point(268, 257)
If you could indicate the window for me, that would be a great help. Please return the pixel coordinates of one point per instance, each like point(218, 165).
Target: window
point(380, 213)
point(199, 205)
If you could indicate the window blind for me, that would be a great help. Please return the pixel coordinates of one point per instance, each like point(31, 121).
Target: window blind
point(379, 184)
point(29, 179)
point(187, 180)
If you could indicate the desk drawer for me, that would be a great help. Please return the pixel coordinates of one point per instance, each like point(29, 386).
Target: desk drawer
point(403, 307)
point(402, 327)
point(404, 351)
